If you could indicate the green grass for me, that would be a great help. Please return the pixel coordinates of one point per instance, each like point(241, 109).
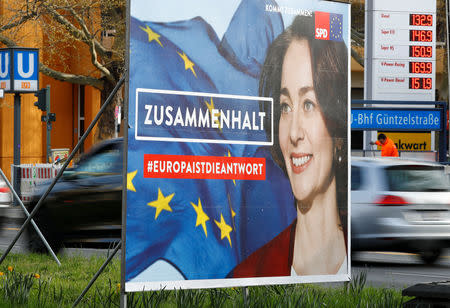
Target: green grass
point(55, 286)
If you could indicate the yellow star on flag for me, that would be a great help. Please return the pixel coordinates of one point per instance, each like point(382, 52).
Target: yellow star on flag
point(233, 213)
point(152, 36)
point(188, 64)
point(202, 218)
point(224, 229)
point(130, 177)
point(210, 108)
point(162, 203)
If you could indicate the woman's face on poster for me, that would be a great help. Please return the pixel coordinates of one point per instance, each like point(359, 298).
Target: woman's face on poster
point(304, 139)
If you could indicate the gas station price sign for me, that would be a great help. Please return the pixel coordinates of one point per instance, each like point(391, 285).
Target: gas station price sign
point(420, 67)
point(421, 20)
point(402, 48)
point(420, 51)
point(417, 83)
point(420, 35)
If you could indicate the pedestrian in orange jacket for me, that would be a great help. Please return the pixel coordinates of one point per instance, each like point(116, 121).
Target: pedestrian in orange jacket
point(388, 147)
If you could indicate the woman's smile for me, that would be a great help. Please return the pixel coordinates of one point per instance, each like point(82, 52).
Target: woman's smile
point(300, 161)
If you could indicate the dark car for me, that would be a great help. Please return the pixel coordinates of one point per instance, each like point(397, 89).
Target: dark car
point(85, 205)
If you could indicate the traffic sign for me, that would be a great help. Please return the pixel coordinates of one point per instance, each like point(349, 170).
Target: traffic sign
point(19, 70)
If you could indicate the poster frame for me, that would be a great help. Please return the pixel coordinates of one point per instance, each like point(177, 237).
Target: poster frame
point(228, 282)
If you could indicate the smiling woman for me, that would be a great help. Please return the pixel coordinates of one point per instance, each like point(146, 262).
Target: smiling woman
point(307, 78)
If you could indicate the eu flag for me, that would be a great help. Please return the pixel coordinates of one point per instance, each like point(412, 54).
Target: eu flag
point(336, 27)
point(203, 228)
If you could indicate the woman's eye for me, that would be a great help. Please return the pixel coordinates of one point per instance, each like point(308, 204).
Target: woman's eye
point(308, 106)
point(285, 108)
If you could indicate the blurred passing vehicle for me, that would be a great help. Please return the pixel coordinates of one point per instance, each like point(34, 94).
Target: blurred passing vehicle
point(400, 205)
point(5, 193)
point(85, 205)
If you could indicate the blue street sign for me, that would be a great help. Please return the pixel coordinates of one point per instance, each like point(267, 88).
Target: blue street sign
point(26, 70)
point(19, 69)
point(5, 67)
point(396, 119)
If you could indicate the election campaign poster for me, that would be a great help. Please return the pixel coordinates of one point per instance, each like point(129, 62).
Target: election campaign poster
point(237, 143)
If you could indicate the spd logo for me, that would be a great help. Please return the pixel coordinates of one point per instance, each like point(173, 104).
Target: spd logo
point(322, 25)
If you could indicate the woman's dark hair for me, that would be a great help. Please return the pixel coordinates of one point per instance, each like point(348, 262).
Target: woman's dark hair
point(330, 76)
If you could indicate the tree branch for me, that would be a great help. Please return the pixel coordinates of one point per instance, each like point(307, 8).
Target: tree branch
point(17, 23)
point(357, 57)
point(7, 41)
point(91, 42)
point(98, 65)
point(75, 32)
point(77, 79)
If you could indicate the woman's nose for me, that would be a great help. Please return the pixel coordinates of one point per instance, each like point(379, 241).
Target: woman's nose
point(297, 131)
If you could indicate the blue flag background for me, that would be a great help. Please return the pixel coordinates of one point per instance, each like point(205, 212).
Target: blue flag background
point(204, 228)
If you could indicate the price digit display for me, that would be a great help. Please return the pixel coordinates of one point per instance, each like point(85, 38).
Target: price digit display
point(421, 20)
point(416, 51)
point(420, 83)
point(421, 67)
point(420, 35)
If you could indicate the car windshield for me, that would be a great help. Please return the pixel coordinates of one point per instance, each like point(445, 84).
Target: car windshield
point(417, 178)
point(108, 161)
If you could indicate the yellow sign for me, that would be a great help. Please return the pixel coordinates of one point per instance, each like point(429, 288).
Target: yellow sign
point(410, 141)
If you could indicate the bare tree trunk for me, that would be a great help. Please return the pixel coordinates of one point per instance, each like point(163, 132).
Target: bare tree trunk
point(106, 125)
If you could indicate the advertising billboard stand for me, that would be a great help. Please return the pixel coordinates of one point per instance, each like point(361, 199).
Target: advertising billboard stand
point(234, 108)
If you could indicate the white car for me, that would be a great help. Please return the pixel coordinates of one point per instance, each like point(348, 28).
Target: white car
point(5, 193)
point(400, 205)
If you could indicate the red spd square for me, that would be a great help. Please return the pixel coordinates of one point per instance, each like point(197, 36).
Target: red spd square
point(322, 26)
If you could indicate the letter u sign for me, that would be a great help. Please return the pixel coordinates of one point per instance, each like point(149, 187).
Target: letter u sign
point(4, 64)
point(25, 63)
point(5, 70)
point(20, 65)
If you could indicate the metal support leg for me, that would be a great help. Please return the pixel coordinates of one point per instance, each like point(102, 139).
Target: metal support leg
point(69, 159)
point(97, 274)
point(32, 221)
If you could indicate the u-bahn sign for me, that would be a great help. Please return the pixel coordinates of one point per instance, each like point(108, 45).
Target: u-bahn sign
point(396, 119)
point(19, 70)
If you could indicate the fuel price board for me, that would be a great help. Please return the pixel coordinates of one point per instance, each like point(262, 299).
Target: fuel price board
point(400, 50)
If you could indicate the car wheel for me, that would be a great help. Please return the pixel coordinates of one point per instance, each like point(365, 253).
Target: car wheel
point(430, 256)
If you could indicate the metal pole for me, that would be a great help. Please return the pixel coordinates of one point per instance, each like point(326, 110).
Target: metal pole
point(66, 163)
point(245, 295)
point(123, 300)
point(48, 123)
point(17, 124)
point(448, 63)
point(32, 221)
point(443, 155)
point(96, 275)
